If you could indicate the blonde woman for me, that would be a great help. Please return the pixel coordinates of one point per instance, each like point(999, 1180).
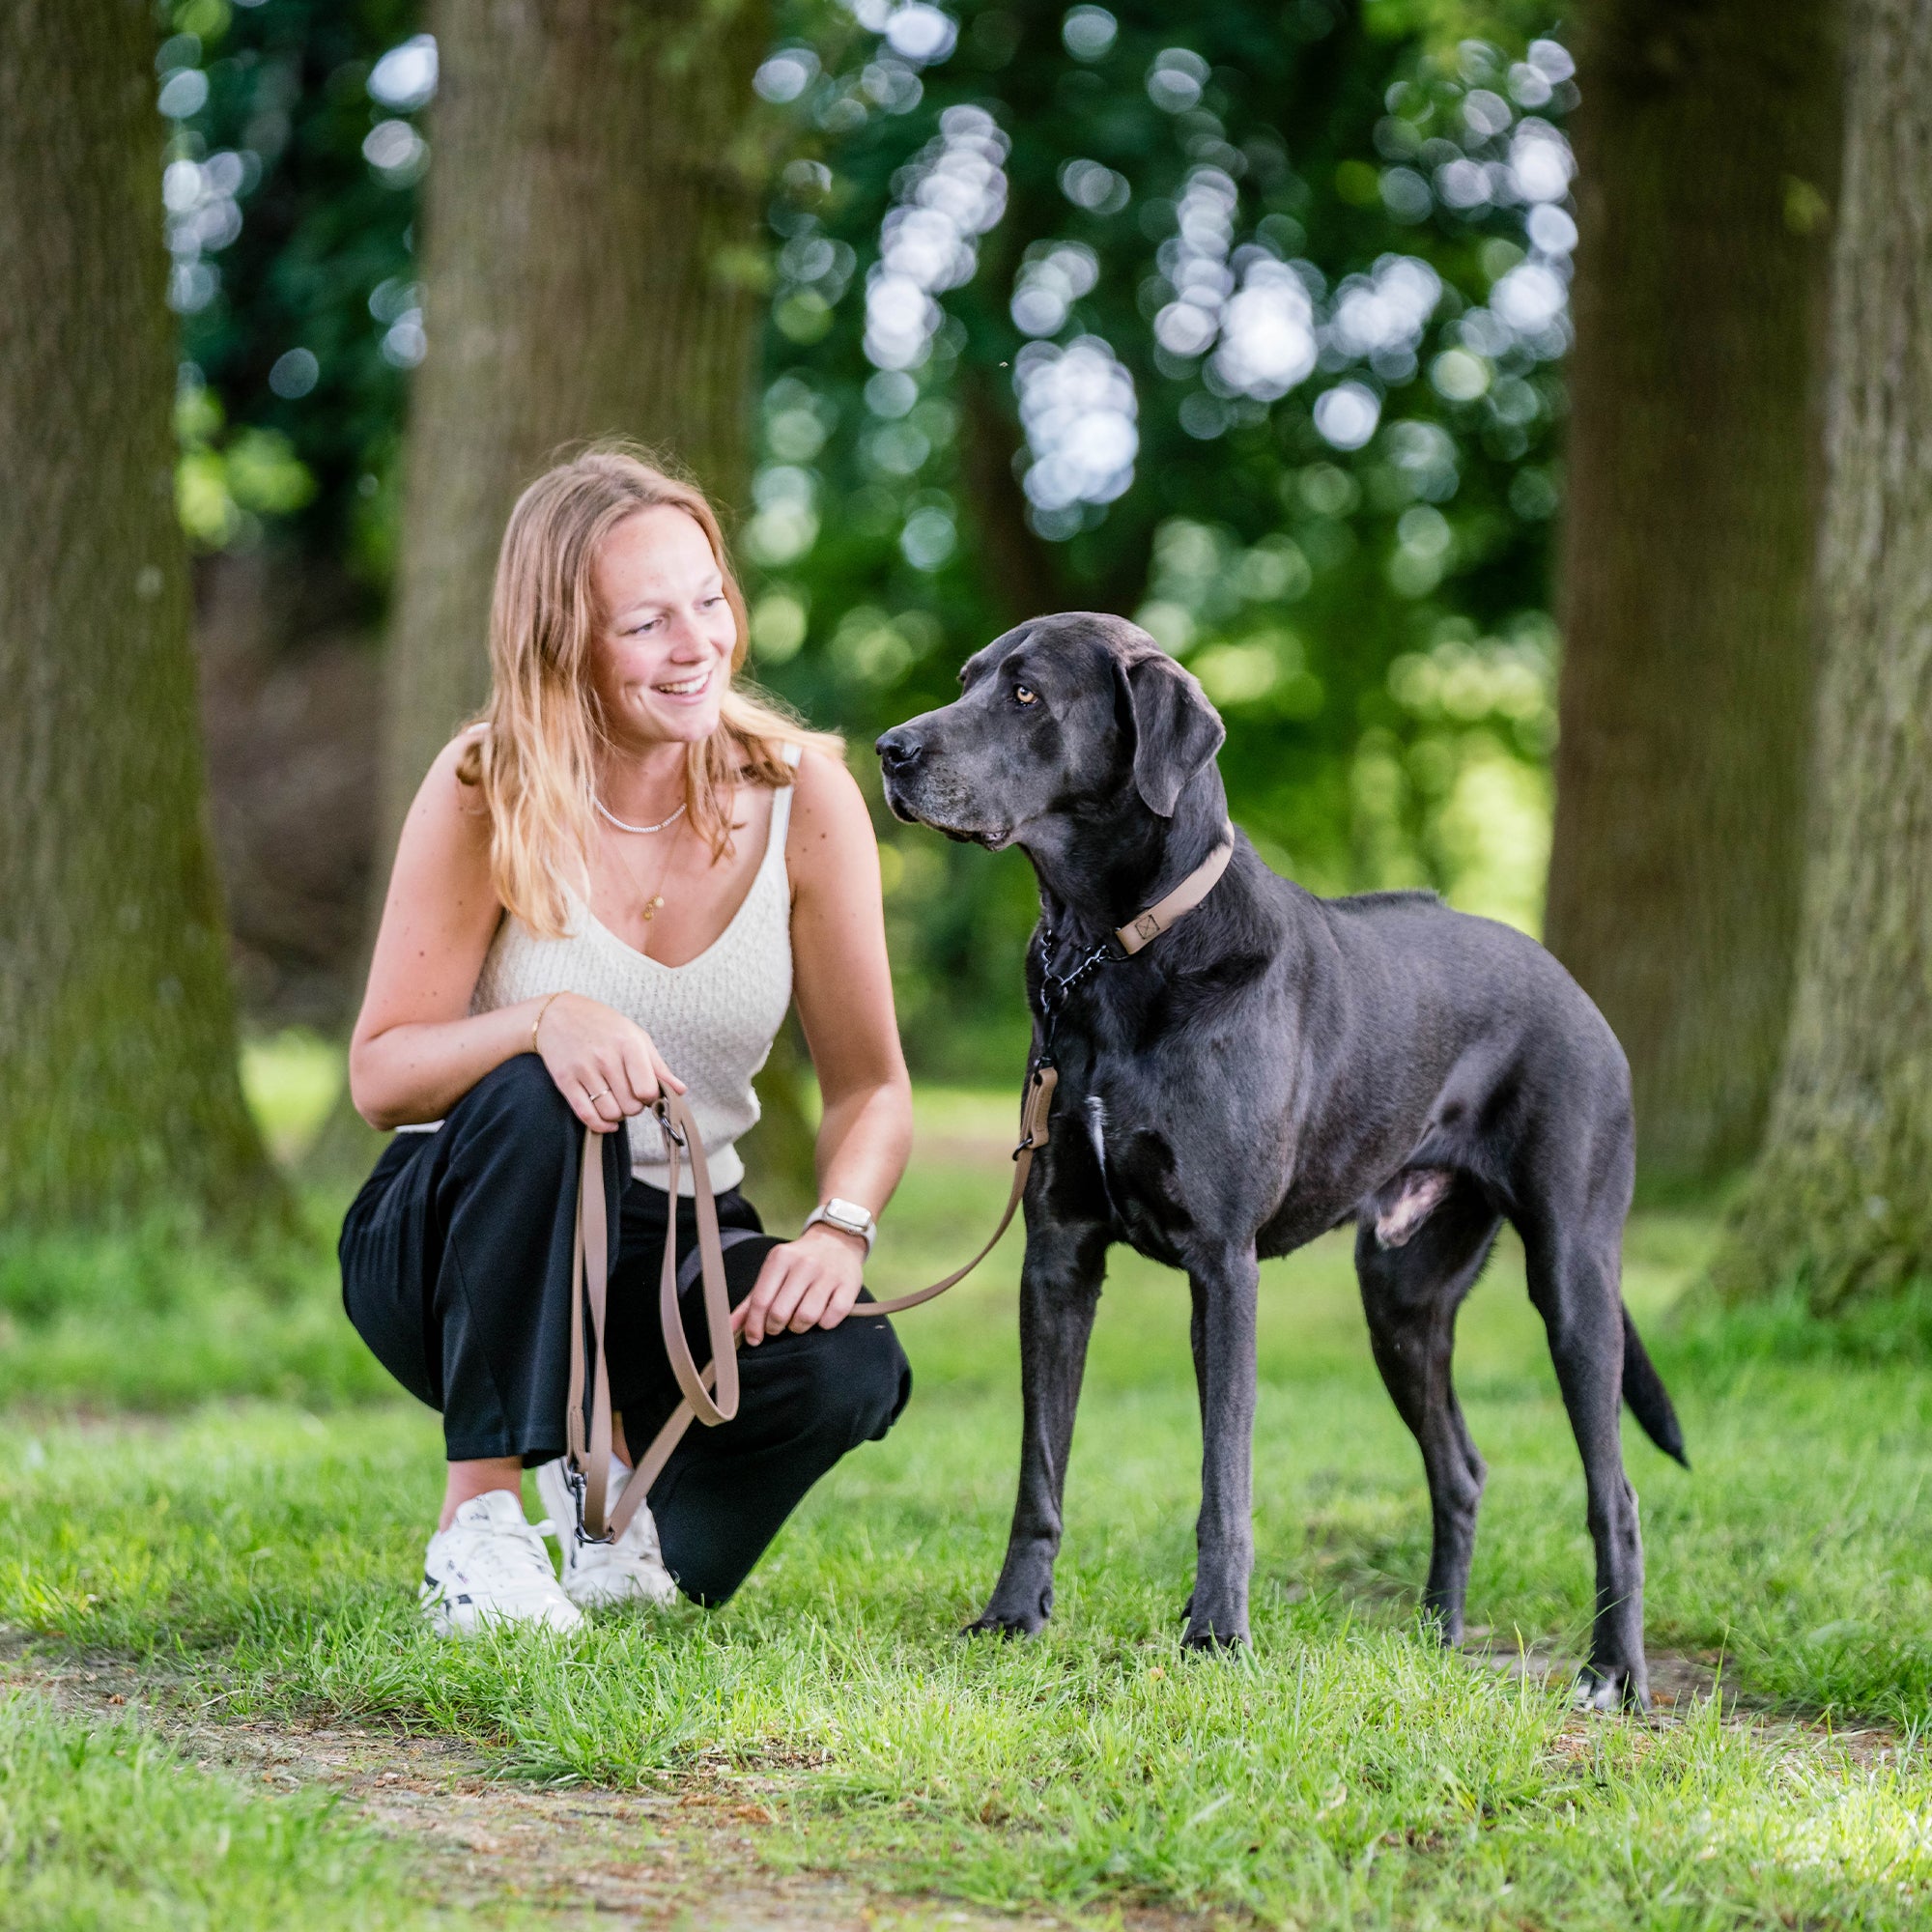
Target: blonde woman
point(613, 882)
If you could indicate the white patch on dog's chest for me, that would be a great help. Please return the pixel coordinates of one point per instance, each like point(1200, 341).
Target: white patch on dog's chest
point(1096, 1110)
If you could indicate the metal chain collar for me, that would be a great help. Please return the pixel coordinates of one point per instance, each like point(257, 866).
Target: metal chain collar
point(1055, 986)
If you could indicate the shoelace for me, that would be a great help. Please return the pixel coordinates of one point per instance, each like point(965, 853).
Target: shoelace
point(510, 1552)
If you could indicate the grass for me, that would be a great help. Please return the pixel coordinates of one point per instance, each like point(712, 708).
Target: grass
point(148, 1318)
point(1343, 1773)
point(107, 1825)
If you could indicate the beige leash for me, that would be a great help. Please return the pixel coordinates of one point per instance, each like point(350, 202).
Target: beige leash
point(711, 1393)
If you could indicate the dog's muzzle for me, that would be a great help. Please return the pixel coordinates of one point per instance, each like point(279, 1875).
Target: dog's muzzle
point(899, 755)
point(910, 790)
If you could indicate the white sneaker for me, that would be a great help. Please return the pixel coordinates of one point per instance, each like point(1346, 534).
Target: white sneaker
point(489, 1565)
point(601, 1575)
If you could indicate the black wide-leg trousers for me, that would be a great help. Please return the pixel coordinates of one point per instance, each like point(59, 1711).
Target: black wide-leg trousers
point(456, 1272)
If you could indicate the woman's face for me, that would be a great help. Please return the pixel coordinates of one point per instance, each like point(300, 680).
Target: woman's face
point(663, 652)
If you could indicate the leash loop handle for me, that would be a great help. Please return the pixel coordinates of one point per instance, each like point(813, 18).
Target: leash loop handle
point(711, 1394)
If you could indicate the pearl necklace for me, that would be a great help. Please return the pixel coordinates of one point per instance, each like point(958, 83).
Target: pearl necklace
point(640, 829)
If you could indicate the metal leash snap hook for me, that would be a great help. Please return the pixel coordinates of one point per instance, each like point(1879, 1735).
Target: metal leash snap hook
point(672, 1130)
point(579, 1486)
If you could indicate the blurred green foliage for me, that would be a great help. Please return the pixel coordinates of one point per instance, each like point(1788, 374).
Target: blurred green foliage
point(292, 265)
point(1247, 323)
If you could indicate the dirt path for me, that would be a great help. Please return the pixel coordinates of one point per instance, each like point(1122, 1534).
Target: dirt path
point(690, 1858)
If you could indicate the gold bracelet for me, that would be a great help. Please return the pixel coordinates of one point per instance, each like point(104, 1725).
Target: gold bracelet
point(538, 1021)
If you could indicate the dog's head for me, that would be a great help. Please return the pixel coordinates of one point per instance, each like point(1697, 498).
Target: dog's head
point(1078, 711)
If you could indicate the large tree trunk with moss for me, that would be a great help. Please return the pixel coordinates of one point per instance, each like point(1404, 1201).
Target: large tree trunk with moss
point(1841, 1198)
point(118, 1084)
point(1707, 156)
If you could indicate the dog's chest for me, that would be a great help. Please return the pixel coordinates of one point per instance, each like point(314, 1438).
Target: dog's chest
point(1136, 1173)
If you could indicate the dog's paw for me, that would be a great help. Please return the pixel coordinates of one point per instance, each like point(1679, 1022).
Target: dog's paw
point(993, 1625)
point(1003, 1617)
point(1610, 1688)
point(1214, 1634)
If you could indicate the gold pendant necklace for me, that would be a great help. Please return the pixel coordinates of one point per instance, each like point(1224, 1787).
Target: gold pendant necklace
point(653, 902)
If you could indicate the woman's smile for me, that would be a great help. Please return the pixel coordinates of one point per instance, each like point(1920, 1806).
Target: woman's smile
point(686, 689)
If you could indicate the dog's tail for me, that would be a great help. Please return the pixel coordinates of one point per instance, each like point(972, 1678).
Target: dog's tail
point(1648, 1397)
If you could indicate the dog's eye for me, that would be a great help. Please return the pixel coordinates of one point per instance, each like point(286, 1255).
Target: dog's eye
point(1026, 694)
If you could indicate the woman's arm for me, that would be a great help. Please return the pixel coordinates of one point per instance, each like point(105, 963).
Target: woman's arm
point(844, 992)
point(417, 1048)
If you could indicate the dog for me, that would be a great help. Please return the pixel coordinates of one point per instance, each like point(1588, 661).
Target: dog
point(1271, 1067)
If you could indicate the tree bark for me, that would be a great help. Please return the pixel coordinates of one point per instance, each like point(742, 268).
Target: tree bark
point(591, 206)
point(118, 1085)
point(1840, 1200)
point(1707, 156)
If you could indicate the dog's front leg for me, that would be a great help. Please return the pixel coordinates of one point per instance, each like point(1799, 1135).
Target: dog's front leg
point(1060, 1289)
point(1224, 1286)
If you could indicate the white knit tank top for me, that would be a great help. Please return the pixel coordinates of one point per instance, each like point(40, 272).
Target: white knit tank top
point(713, 1019)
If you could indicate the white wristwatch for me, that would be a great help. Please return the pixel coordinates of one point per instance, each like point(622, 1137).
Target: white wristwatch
point(848, 1217)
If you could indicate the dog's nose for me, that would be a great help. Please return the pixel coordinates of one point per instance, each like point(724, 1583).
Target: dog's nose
point(899, 749)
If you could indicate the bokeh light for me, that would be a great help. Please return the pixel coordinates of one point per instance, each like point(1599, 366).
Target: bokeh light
point(405, 78)
point(1088, 32)
point(1347, 416)
point(1080, 413)
point(957, 192)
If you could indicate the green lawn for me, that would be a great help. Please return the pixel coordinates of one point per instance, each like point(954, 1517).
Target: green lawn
point(106, 1827)
point(1342, 1773)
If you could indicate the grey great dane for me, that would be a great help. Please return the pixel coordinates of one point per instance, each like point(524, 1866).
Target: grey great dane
point(1271, 1067)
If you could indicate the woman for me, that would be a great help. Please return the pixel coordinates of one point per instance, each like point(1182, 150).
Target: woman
point(608, 884)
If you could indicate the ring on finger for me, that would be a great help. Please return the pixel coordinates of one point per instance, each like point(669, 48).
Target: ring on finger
point(596, 1096)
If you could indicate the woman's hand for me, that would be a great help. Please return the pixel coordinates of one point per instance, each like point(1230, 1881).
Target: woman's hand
point(604, 1064)
point(809, 1283)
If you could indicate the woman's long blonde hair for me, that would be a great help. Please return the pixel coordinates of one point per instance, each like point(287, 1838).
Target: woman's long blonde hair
point(535, 758)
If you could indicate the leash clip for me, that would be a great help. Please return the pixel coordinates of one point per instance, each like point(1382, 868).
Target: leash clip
point(672, 1132)
point(579, 1486)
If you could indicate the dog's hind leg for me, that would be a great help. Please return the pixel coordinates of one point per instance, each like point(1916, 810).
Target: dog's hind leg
point(1224, 1286)
point(1060, 1289)
point(1574, 1281)
point(1410, 1292)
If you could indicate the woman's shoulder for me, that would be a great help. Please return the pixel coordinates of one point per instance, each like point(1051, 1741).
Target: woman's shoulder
point(830, 822)
point(451, 798)
point(459, 765)
point(822, 781)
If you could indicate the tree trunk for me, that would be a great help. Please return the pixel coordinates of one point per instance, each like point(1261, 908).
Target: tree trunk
point(118, 1084)
point(591, 206)
point(1841, 1198)
point(1707, 153)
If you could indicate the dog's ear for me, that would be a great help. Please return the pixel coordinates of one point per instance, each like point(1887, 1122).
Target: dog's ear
point(1177, 731)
